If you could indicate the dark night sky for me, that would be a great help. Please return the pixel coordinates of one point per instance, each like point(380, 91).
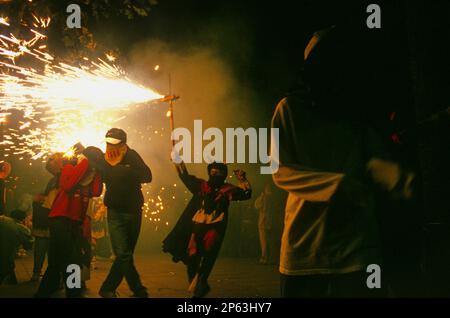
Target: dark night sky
point(261, 41)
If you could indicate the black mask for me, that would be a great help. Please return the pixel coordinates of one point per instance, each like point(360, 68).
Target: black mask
point(216, 181)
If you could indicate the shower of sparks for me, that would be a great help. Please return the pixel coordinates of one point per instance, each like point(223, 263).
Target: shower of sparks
point(4, 21)
point(110, 57)
point(160, 199)
point(61, 104)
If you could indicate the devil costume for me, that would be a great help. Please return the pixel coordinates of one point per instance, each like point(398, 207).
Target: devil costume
point(198, 235)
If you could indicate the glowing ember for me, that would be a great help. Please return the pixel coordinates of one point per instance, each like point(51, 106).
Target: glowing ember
point(110, 57)
point(69, 153)
point(60, 104)
point(63, 87)
point(4, 21)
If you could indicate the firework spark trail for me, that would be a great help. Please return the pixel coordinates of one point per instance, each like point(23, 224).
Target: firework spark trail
point(72, 103)
point(62, 104)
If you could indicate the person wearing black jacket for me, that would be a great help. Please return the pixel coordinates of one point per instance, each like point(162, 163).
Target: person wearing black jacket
point(123, 174)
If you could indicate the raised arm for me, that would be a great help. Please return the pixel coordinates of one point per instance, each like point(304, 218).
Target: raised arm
point(72, 175)
point(191, 182)
point(244, 189)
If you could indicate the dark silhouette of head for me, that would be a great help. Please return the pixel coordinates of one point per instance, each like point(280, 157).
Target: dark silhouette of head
point(95, 156)
point(342, 74)
point(217, 172)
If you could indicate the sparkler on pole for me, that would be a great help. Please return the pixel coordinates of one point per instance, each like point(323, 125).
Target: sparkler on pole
point(61, 103)
point(170, 99)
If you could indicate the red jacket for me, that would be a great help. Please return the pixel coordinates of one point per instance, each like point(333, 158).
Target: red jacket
point(72, 199)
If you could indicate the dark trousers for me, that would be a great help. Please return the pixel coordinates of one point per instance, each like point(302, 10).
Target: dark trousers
point(351, 285)
point(86, 252)
point(86, 258)
point(40, 251)
point(202, 262)
point(64, 249)
point(124, 228)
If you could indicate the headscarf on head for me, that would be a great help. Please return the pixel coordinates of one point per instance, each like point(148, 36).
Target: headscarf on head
point(115, 153)
point(116, 146)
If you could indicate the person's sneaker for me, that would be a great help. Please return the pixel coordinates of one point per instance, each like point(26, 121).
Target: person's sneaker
point(141, 293)
point(107, 294)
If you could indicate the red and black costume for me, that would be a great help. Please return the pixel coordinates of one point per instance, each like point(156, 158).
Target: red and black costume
point(198, 235)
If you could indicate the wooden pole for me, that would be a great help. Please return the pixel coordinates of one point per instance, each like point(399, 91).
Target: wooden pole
point(172, 124)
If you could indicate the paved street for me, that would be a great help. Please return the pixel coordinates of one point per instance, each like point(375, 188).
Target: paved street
point(231, 277)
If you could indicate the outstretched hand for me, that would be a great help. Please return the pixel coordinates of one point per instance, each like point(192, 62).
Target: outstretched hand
point(175, 157)
point(240, 175)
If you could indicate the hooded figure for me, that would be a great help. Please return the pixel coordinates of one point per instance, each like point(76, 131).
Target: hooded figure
point(198, 235)
point(330, 162)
